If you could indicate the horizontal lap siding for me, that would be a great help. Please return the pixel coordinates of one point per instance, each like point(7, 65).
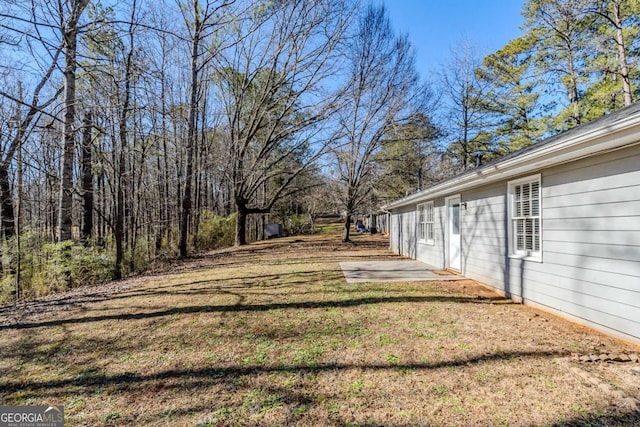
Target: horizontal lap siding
point(483, 235)
point(403, 232)
point(434, 254)
point(591, 242)
point(590, 269)
point(581, 288)
point(593, 310)
point(590, 236)
point(627, 223)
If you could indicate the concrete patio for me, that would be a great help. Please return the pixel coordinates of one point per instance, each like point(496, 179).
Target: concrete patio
point(393, 271)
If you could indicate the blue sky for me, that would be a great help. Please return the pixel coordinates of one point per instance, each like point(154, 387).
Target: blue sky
point(436, 26)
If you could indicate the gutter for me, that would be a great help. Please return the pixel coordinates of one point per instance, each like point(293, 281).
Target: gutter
point(598, 137)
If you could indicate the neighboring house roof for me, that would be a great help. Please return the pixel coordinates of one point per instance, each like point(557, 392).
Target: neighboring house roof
point(607, 133)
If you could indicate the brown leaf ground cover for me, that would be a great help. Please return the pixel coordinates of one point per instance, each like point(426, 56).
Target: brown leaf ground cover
point(271, 334)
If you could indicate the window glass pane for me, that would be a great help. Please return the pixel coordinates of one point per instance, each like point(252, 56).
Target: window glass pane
point(425, 221)
point(455, 218)
point(535, 190)
point(525, 217)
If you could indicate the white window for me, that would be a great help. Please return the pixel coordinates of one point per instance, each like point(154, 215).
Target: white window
point(525, 218)
point(425, 222)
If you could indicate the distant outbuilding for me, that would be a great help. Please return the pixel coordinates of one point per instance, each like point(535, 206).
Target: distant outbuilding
point(272, 230)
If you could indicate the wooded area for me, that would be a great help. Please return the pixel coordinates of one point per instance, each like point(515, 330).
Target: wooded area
point(140, 130)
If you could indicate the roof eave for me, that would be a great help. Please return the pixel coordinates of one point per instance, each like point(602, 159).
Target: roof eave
point(572, 147)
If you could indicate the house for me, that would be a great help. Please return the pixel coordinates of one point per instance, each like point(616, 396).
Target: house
point(555, 225)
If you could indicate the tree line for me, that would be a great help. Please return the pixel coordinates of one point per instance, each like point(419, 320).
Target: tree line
point(138, 130)
point(576, 60)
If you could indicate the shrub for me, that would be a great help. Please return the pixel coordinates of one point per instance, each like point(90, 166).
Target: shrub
point(297, 224)
point(138, 259)
point(70, 265)
point(215, 231)
point(51, 267)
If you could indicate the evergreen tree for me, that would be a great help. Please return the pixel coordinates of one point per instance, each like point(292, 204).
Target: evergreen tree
point(515, 94)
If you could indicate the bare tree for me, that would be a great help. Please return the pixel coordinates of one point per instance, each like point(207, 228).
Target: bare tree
point(22, 24)
point(206, 19)
point(276, 96)
point(87, 178)
point(466, 99)
point(70, 12)
point(23, 119)
point(382, 91)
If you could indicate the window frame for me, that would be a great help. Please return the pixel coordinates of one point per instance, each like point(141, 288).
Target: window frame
point(424, 222)
point(512, 234)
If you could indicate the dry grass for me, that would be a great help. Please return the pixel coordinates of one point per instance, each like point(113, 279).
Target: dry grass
point(271, 334)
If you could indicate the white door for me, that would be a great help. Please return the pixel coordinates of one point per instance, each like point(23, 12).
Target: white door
point(453, 233)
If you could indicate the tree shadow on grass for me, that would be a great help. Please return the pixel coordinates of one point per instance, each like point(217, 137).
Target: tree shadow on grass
point(254, 308)
point(190, 378)
point(628, 418)
point(195, 288)
point(235, 256)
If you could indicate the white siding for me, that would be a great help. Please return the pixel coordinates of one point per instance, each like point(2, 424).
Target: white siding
point(590, 269)
point(591, 242)
point(434, 253)
point(484, 243)
point(403, 234)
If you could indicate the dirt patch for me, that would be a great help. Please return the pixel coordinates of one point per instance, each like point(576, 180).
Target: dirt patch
point(270, 334)
point(618, 380)
point(444, 273)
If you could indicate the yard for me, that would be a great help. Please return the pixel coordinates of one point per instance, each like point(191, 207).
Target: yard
point(271, 334)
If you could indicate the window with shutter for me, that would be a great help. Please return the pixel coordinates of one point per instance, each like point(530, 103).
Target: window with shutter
point(525, 217)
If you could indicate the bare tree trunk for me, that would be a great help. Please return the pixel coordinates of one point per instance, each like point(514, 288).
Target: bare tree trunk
point(123, 131)
point(241, 225)
point(8, 214)
point(65, 220)
point(574, 95)
point(161, 211)
point(119, 220)
point(347, 229)
point(70, 36)
point(20, 136)
point(191, 135)
point(165, 205)
point(87, 180)
point(622, 54)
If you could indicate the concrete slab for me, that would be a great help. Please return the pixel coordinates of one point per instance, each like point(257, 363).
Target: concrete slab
point(392, 271)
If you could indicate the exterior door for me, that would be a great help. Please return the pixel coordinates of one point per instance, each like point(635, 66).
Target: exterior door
point(453, 233)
